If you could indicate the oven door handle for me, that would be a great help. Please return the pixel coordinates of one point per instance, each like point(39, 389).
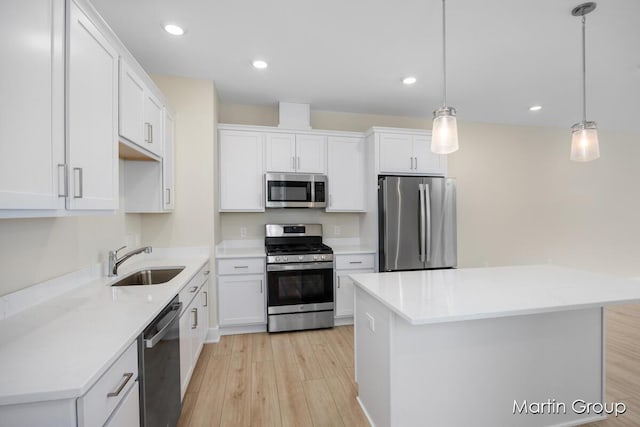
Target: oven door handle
point(301, 266)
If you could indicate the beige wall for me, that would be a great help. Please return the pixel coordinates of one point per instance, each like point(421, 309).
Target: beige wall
point(38, 249)
point(191, 223)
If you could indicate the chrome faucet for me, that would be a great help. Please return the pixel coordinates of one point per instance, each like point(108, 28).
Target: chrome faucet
point(114, 261)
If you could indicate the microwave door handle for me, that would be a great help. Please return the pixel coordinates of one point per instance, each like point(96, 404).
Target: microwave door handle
point(421, 231)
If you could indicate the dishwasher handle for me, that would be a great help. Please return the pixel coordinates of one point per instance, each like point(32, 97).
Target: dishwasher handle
point(169, 318)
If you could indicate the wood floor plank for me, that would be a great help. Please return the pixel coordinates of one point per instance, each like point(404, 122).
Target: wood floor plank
point(188, 404)
point(321, 404)
point(236, 409)
point(344, 396)
point(207, 410)
point(224, 347)
point(261, 347)
point(265, 407)
point(307, 363)
point(242, 344)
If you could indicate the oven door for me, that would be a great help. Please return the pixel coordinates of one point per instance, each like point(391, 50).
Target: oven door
point(299, 287)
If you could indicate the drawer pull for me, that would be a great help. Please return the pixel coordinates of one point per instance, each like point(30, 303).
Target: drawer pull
point(206, 273)
point(205, 294)
point(192, 290)
point(241, 266)
point(194, 325)
point(355, 262)
point(127, 376)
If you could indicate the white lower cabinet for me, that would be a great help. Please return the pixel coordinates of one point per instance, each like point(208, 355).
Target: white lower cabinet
point(344, 287)
point(194, 322)
point(242, 298)
point(128, 413)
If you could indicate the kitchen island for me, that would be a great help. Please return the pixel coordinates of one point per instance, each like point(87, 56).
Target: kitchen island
point(484, 346)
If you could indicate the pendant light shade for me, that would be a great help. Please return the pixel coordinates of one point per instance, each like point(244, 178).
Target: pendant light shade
point(584, 135)
point(584, 142)
point(444, 138)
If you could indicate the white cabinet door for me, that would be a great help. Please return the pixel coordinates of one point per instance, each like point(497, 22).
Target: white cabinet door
point(92, 139)
point(241, 300)
point(426, 161)
point(280, 152)
point(128, 413)
point(168, 162)
point(204, 308)
point(396, 153)
point(185, 349)
point(345, 292)
point(153, 124)
point(241, 171)
point(131, 105)
point(346, 174)
point(310, 155)
point(32, 104)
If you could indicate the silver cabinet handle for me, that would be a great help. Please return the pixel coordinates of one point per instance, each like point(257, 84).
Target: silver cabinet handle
point(260, 286)
point(77, 172)
point(150, 133)
point(293, 162)
point(64, 179)
point(205, 294)
point(240, 266)
point(168, 191)
point(355, 262)
point(298, 162)
point(416, 168)
point(195, 318)
point(206, 273)
point(338, 282)
point(330, 200)
point(410, 162)
point(126, 377)
point(192, 290)
point(147, 138)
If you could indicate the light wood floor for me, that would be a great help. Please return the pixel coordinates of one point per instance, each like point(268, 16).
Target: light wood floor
point(286, 379)
point(306, 378)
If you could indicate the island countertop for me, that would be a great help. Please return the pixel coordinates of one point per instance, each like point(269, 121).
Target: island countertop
point(437, 296)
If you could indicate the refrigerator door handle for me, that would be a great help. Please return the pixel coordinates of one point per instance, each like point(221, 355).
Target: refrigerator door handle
point(421, 194)
point(428, 227)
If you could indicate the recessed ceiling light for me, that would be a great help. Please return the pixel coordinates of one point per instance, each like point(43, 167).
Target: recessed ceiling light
point(260, 64)
point(174, 30)
point(535, 108)
point(409, 80)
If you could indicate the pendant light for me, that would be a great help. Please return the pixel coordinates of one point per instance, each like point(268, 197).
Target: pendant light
point(584, 135)
point(444, 139)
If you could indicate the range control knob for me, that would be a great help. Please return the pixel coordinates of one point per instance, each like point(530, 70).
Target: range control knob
point(284, 258)
point(322, 257)
point(300, 257)
point(315, 257)
point(277, 259)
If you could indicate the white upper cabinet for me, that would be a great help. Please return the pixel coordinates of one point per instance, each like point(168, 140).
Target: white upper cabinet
point(140, 116)
point(169, 162)
point(346, 174)
point(92, 116)
point(295, 153)
point(409, 153)
point(241, 171)
point(32, 105)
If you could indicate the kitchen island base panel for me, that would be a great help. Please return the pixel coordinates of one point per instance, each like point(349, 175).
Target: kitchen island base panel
point(475, 372)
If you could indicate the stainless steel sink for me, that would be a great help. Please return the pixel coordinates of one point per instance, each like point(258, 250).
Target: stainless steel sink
point(149, 276)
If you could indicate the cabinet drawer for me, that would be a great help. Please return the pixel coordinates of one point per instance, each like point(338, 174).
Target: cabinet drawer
point(99, 402)
point(355, 262)
point(191, 289)
point(241, 266)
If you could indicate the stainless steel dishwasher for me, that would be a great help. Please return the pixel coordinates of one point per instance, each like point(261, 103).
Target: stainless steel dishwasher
point(159, 367)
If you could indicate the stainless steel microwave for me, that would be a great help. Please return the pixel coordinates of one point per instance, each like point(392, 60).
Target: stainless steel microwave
point(294, 190)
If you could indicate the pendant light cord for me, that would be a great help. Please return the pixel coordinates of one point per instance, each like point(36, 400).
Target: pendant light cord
point(444, 56)
point(584, 72)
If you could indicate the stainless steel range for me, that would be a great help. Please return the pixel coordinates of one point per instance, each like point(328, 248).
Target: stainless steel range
point(299, 278)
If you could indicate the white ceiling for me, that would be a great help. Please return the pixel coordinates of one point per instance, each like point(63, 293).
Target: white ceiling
point(351, 55)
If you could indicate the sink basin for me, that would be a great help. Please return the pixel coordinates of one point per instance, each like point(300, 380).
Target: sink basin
point(149, 276)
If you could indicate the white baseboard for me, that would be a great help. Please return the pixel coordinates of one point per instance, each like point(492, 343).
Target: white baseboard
point(366, 414)
point(249, 329)
point(213, 335)
point(342, 321)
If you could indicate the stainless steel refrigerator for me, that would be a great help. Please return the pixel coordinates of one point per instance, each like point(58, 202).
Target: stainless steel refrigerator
point(417, 223)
